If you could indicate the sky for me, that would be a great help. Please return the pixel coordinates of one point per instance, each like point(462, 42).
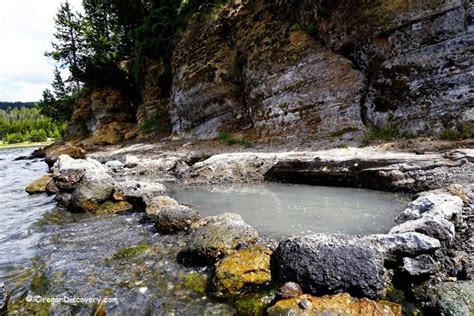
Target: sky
point(26, 32)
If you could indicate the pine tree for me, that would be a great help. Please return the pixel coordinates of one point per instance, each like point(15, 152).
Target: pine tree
point(68, 45)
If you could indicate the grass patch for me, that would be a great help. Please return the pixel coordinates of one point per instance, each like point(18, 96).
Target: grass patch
point(466, 132)
point(385, 135)
point(226, 138)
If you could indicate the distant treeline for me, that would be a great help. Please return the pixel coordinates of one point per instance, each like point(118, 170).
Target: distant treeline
point(28, 124)
point(6, 105)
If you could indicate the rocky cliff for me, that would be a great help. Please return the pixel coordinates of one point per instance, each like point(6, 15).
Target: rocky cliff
point(310, 70)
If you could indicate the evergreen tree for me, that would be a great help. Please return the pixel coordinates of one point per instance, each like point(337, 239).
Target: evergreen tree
point(69, 40)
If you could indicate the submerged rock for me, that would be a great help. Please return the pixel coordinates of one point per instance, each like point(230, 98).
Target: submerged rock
point(170, 216)
point(331, 263)
point(432, 204)
point(39, 185)
point(396, 246)
point(436, 227)
point(241, 270)
point(255, 303)
point(340, 304)
point(216, 236)
point(111, 207)
point(93, 189)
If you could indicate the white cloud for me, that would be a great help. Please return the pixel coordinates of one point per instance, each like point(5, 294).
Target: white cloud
point(26, 32)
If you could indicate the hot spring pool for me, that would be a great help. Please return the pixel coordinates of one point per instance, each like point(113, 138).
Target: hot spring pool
point(280, 210)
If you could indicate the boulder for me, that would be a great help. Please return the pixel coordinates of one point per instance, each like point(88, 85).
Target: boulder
point(450, 298)
point(67, 172)
point(216, 236)
point(340, 304)
point(39, 185)
point(396, 246)
point(432, 204)
point(51, 187)
point(244, 269)
point(422, 265)
point(331, 263)
point(170, 216)
point(53, 152)
point(93, 189)
point(436, 227)
point(132, 190)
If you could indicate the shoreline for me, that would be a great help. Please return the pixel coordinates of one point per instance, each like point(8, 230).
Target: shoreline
point(25, 145)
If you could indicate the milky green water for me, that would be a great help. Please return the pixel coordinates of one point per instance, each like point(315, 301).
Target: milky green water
point(281, 210)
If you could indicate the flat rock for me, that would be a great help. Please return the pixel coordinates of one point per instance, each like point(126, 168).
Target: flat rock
point(216, 236)
point(142, 190)
point(436, 227)
point(432, 204)
point(396, 246)
point(53, 152)
point(340, 304)
point(331, 263)
point(39, 185)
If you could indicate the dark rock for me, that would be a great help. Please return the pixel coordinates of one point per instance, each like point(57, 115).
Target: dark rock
point(133, 191)
point(331, 263)
point(51, 187)
point(449, 298)
point(64, 199)
point(420, 266)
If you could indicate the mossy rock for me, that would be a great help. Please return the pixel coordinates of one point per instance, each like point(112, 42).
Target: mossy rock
point(340, 304)
point(255, 303)
point(241, 270)
point(195, 282)
point(110, 207)
point(130, 252)
point(38, 186)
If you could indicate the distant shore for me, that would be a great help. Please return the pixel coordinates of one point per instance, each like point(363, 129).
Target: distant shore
point(25, 144)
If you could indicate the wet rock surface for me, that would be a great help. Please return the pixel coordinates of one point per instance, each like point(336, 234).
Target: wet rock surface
point(214, 237)
point(93, 189)
point(169, 216)
point(340, 304)
point(331, 263)
point(39, 185)
point(244, 269)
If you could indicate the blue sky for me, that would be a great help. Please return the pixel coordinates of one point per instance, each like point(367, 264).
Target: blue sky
point(26, 32)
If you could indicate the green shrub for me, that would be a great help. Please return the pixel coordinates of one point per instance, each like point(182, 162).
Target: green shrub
point(227, 139)
point(383, 134)
point(38, 136)
point(15, 138)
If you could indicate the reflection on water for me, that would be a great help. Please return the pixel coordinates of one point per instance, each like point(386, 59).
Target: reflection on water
point(282, 210)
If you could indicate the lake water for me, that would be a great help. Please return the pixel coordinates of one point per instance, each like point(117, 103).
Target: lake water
point(281, 210)
point(55, 254)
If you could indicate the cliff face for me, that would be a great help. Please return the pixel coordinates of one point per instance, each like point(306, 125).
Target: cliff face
point(311, 69)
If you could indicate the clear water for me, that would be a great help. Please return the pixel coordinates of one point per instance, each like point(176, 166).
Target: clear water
point(52, 253)
point(281, 210)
